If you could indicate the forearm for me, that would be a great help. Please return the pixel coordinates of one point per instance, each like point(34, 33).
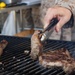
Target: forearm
point(70, 4)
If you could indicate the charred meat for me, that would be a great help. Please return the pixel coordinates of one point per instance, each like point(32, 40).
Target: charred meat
point(3, 44)
point(36, 45)
point(52, 58)
point(57, 58)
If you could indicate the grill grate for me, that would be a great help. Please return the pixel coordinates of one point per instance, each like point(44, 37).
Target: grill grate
point(16, 62)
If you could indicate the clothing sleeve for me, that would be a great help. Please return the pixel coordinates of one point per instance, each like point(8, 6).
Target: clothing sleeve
point(70, 4)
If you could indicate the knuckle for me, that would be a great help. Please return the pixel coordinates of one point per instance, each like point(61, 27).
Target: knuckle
point(50, 9)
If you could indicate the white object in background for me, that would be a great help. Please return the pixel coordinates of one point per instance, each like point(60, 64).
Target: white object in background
point(31, 2)
point(10, 26)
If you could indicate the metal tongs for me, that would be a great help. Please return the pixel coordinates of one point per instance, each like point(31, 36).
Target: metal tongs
point(50, 28)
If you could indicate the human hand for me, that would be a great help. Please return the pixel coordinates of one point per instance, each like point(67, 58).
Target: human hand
point(62, 14)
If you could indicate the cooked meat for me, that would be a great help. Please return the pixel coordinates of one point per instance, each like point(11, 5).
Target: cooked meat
point(3, 44)
point(36, 45)
point(58, 58)
point(51, 58)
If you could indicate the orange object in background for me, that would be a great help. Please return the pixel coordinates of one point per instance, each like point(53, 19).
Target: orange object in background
point(25, 33)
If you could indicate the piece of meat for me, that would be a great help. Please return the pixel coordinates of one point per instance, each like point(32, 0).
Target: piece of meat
point(51, 58)
point(58, 58)
point(36, 45)
point(3, 44)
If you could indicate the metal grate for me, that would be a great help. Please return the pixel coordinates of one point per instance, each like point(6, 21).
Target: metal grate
point(16, 62)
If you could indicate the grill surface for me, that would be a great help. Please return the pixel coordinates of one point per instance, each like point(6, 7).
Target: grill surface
point(16, 60)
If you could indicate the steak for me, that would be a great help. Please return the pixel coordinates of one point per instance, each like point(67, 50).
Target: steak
point(3, 44)
point(52, 58)
point(58, 58)
point(36, 45)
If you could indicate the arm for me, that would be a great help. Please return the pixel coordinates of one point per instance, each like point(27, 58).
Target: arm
point(70, 4)
point(62, 11)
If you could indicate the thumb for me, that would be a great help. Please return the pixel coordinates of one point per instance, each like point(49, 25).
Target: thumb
point(47, 19)
point(46, 24)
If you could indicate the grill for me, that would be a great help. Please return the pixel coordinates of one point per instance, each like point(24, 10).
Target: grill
point(16, 60)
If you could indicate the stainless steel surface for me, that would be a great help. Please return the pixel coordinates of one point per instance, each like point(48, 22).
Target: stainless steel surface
point(10, 1)
point(46, 35)
point(31, 2)
point(21, 20)
point(16, 9)
point(43, 37)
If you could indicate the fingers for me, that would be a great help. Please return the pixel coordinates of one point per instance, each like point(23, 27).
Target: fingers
point(59, 25)
point(57, 12)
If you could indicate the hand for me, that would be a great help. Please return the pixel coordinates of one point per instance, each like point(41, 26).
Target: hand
point(61, 13)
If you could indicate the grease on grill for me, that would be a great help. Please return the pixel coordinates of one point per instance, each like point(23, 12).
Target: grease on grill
point(0, 63)
point(26, 52)
point(3, 44)
point(13, 57)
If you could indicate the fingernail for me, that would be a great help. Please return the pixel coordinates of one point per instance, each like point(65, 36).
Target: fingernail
point(57, 28)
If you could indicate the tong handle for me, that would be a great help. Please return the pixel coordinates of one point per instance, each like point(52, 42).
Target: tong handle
point(53, 22)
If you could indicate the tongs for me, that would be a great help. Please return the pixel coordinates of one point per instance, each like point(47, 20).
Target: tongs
point(50, 28)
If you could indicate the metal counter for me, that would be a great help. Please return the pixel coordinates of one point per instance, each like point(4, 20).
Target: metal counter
point(16, 8)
